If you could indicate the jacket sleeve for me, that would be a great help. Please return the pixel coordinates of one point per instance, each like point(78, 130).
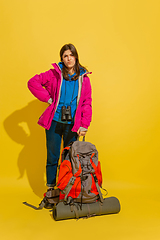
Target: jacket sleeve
point(37, 86)
point(86, 113)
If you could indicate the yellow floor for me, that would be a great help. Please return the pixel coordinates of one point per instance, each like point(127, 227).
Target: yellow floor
point(139, 217)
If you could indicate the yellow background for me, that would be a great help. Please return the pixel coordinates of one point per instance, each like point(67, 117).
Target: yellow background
point(118, 40)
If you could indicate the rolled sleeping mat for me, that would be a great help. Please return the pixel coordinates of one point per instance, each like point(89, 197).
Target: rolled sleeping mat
point(110, 205)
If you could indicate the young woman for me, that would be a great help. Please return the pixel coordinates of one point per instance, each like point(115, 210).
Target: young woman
point(67, 89)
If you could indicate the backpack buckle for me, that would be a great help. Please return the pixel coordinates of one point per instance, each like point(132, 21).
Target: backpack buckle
point(72, 180)
point(95, 178)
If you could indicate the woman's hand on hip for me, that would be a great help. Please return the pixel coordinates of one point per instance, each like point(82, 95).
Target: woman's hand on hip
point(50, 101)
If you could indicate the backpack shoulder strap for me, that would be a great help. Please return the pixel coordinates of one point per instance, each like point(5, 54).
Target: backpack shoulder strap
point(98, 188)
point(96, 180)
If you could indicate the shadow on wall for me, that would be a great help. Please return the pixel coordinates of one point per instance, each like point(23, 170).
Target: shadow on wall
point(32, 158)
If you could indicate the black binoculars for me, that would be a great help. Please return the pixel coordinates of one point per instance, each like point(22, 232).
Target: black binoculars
point(66, 114)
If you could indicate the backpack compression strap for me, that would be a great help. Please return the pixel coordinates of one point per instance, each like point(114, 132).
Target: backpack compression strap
point(68, 187)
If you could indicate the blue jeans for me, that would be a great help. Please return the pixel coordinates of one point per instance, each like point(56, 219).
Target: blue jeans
point(53, 139)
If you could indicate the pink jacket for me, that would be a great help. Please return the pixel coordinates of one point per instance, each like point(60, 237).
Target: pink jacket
point(48, 85)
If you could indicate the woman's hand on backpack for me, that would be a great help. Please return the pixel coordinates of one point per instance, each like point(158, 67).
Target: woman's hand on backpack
point(83, 133)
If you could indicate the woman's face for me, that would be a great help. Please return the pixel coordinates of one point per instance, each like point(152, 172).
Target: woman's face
point(68, 59)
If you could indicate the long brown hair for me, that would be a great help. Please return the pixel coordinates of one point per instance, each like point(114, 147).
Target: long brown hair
point(77, 65)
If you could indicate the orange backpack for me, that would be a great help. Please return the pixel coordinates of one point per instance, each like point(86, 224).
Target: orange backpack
point(80, 177)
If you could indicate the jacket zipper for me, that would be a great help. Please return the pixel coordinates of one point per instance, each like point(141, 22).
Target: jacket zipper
point(59, 89)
